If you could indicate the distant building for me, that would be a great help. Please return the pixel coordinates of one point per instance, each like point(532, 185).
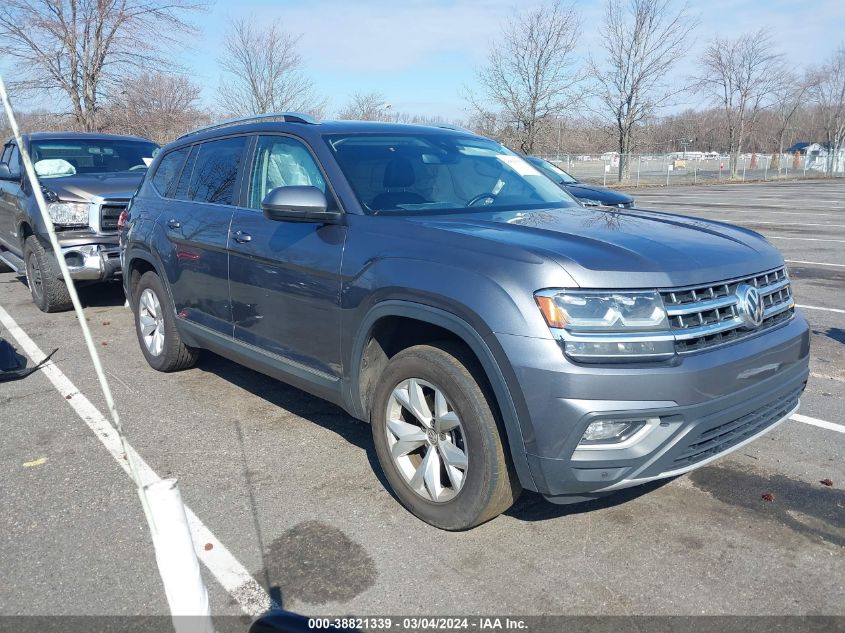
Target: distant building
point(816, 156)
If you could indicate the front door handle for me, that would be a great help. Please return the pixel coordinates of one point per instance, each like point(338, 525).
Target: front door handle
point(241, 237)
point(174, 224)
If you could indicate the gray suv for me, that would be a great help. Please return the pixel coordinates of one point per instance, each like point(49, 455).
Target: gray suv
point(87, 181)
point(495, 334)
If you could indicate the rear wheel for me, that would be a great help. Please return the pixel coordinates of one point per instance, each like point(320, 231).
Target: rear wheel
point(155, 325)
point(438, 439)
point(48, 290)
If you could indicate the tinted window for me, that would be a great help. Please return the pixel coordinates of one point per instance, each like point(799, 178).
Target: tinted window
point(283, 162)
point(181, 191)
point(216, 171)
point(6, 151)
point(168, 171)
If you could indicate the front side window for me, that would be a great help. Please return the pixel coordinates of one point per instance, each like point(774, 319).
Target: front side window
point(283, 162)
point(216, 170)
point(57, 158)
point(440, 173)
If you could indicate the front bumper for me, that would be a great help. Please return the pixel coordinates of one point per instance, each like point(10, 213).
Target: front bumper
point(698, 407)
point(93, 262)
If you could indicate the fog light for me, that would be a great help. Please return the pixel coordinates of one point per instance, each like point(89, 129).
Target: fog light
point(611, 431)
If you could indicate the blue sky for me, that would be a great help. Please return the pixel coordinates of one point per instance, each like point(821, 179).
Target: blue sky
point(420, 53)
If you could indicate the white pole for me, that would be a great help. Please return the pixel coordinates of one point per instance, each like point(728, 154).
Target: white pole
point(639, 161)
point(177, 559)
point(167, 514)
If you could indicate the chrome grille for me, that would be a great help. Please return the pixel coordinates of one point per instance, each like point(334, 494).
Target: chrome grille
point(705, 316)
point(110, 212)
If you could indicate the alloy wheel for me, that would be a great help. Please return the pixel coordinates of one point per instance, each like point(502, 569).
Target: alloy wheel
point(151, 320)
point(426, 440)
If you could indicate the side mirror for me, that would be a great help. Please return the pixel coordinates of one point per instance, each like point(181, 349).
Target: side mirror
point(5, 174)
point(298, 204)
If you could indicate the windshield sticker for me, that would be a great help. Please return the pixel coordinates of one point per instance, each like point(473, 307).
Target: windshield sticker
point(518, 165)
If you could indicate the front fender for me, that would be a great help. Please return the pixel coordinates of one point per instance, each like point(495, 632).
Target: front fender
point(486, 349)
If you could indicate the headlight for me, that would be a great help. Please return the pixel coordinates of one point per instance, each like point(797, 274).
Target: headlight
point(68, 213)
point(591, 203)
point(602, 326)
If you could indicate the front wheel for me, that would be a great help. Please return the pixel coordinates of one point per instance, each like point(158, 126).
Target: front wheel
point(438, 440)
point(46, 286)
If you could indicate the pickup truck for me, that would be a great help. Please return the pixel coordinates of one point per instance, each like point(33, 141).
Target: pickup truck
point(87, 181)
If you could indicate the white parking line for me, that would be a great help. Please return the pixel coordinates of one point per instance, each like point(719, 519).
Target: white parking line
point(823, 424)
point(837, 310)
point(803, 239)
point(228, 571)
point(801, 261)
point(794, 223)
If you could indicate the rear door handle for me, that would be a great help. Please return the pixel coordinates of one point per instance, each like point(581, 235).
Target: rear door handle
point(174, 224)
point(241, 237)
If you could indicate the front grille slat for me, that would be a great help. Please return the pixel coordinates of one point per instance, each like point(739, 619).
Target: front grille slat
point(720, 438)
point(704, 316)
point(110, 214)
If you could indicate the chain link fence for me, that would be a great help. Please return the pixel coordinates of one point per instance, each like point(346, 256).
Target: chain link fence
point(690, 168)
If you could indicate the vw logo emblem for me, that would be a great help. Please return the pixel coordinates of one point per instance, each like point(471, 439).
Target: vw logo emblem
point(750, 305)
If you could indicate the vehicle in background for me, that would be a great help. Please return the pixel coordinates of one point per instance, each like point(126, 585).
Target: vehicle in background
point(87, 181)
point(588, 195)
point(496, 334)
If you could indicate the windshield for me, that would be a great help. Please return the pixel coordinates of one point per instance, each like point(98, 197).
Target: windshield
point(552, 171)
point(56, 158)
point(440, 173)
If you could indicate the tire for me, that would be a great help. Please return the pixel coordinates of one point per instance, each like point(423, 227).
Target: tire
point(46, 286)
point(155, 326)
point(464, 498)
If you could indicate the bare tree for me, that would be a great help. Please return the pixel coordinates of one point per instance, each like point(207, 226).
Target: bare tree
point(740, 75)
point(366, 106)
point(84, 48)
point(530, 73)
point(788, 96)
point(157, 106)
point(828, 93)
point(264, 71)
point(643, 40)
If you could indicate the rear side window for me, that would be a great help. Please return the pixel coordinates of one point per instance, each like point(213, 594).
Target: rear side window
point(168, 171)
point(216, 170)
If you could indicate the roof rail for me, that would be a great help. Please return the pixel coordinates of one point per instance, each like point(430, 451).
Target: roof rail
point(451, 126)
point(287, 117)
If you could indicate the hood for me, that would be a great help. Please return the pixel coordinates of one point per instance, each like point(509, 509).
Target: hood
point(85, 187)
point(616, 249)
point(602, 194)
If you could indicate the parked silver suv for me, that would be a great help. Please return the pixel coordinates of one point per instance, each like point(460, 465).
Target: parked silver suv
point(496, 334)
